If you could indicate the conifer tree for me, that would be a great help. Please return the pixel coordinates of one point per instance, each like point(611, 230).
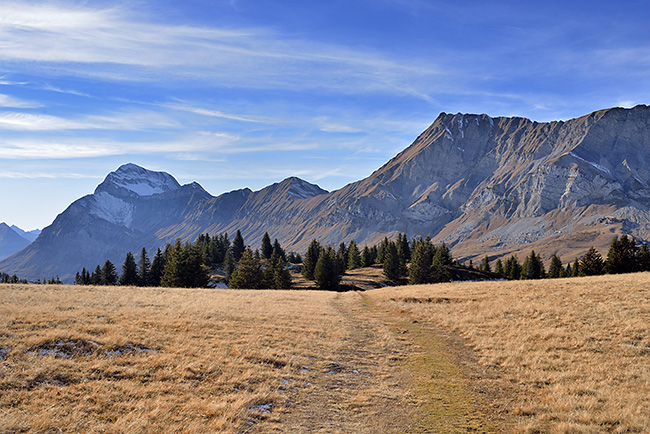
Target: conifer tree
point(95, 277)
point(267, 248)
point(555, 269)
point(591, 263)
point(326, 273)
point(498, 267)
point(248, 274)
point(643, 258)
point(442, 255)
point(310, 260)
point(421, 263)
point(576, 268)
point(157, 268)
point(278, 250)
point(485, 265)
point(513, 268)
point(392, 269)
point(229, 265)
point(403, 247)
point(109, 273)
point(144, 268)
point(621, 257)
point(238, 246)
point(276, 275)
point(129, 271)
point(354, 258)
point(533, 267)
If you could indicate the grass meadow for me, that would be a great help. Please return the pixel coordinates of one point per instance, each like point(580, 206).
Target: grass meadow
point(557, 356)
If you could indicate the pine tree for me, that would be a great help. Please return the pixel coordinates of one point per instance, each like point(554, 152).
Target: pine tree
point(576, 268)
point(310, 260)
point(248, 274)
point(591, 263)
point(421, 270)
point(643, 258)
point(354, 257)
point(129, 271)
point(276, 275)
point(144, 269)
point(498, 267)
point(229, 265)
point(622, 256)
point(513, 268)
point(95, 277)
point(556, 269)
point(391, 263)
point(267, 248)
point(238, 246)
point(403, 247)
point(109, 273)
point(326, 274)
point(157, 268)
point(278, 250)
point(533, 267)
point(485, 265)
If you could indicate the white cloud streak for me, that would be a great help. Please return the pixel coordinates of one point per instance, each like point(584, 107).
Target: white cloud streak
point(112, 44)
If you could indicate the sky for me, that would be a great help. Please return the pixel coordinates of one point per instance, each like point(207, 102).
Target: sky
point(242, 93)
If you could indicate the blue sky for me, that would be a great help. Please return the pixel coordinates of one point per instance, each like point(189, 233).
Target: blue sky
point(242, 93)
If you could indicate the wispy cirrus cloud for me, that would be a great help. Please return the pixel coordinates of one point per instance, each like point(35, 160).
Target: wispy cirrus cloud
point(112, 43)
point(130, 121)
point(11, 102)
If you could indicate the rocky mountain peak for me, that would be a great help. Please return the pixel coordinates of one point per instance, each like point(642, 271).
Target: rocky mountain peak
point(301, 189)
point(130, 179)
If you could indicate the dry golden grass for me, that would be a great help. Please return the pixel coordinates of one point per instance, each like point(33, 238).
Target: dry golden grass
point(115, 359)
point(84, 359)
point(576, 352)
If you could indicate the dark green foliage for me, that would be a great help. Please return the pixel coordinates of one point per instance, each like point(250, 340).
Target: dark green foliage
point(129, 271)
point(421, 270)
point(592, 263)
point(144, 269)
point(643, 258)
point(248, 274)
point(237, 247)
point(157, 268)
point(555, 269)
point(513, 268)
point(267, 248)
point(485, 265)
point(276, 274)
point(498, 267)
point(185, 268)
point(310, 260)
point(82, 278)
point(229, 265)
point(576, 268)
point(392, 268)
point(369, 256)
point(354, 257)
point(621, 257)
point(109, 274)
point(326, 272)
point(403, 248)
point(533, 267)
point(278, 250)
point(96, 276)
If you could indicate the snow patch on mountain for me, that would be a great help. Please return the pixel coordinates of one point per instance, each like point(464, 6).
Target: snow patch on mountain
point(140, 181)
point(111, 209)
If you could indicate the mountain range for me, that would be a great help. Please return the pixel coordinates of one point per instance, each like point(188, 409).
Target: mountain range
point(13, 239)
point(483, 185)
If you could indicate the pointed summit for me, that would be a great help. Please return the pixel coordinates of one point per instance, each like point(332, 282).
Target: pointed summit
point(132, 179)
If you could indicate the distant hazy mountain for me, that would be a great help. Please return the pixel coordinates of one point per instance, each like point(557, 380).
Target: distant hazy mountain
point(28, 235)
point(483, 185)
point(10, 241)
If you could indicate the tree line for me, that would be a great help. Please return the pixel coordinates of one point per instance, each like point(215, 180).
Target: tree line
point(189, 265)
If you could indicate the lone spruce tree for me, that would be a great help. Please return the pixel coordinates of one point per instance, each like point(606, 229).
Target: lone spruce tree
point(310, 260)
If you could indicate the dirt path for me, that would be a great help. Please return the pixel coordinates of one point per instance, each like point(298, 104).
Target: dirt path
point(388, 375)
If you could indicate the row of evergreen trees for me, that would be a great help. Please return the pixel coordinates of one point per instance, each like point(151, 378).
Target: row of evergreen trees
point(625, 255)
point(189, 265)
